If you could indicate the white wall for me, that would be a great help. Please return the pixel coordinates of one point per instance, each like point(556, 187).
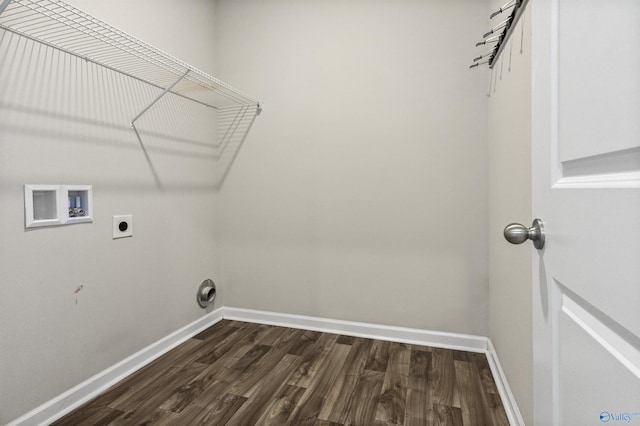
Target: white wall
point(361, 192)
point(67, 123)
point(510, 201)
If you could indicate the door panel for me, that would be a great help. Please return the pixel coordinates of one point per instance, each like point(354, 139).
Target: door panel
point(598, 65)
point(585, 397)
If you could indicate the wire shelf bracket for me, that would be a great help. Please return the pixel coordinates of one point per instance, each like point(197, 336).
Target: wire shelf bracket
point(167, 90)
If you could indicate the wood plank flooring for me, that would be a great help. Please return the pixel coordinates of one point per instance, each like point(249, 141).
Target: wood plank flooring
point(237, 373)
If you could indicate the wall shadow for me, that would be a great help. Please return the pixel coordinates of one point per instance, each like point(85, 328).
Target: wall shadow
point(48, 97)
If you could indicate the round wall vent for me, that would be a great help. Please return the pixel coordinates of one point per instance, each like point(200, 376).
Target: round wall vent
point(206, 293)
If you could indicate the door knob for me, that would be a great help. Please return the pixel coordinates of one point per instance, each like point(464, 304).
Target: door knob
point(516, 233)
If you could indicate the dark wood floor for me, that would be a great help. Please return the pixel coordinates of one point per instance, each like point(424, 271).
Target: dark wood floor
point(237, 373)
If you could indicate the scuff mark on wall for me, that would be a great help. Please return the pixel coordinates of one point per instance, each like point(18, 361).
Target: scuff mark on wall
point(78, 290)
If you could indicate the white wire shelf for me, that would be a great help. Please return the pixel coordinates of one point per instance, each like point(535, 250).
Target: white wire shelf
point(63, 27)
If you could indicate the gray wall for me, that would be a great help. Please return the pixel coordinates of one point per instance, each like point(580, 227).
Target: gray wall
point(62, 122)
point(361, 193)
point(510, 326)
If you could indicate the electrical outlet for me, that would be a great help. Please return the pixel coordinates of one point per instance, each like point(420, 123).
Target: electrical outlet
point(122, 226)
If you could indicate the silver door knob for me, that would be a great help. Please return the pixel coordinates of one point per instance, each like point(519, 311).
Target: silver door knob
point(516, 233)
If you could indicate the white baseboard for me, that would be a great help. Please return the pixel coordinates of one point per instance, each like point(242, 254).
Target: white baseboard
point(509, 402)
point(414, 336)
point(78, 395)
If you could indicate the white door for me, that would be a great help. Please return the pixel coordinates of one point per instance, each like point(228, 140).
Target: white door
point(586, 189)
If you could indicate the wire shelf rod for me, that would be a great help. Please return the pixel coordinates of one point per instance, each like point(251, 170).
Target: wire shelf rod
point(63, 27)
point(519, 7)
point(135, 77)
point(157, 53)
point(63, 20)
